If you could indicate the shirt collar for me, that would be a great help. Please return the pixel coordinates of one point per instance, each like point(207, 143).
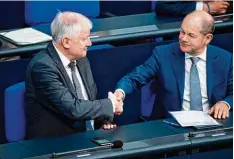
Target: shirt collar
point(201, 56)
point(63, 58)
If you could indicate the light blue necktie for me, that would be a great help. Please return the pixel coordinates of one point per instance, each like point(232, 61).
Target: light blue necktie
point(77, 86)
point(195, 88)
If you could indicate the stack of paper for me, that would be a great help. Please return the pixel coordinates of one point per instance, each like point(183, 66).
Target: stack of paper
point(26, 36)
point(194, 118)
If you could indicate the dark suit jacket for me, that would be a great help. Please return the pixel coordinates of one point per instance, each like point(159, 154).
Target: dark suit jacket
point(167, 65)
point(175, 8)
point(179, 8)
point(51, 104)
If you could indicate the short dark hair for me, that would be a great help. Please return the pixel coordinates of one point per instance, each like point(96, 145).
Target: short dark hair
point(207, 27)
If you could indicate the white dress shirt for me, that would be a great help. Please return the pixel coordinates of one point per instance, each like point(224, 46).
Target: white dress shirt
point(201, 67)
point(199, 6)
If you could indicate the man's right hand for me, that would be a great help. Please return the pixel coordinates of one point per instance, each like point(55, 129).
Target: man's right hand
point(119, 95)
point(216, 7)
point(118, 104)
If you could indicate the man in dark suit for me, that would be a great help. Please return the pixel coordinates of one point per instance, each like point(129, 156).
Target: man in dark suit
point(60, 92)
point(190, 75)
point(181, 8)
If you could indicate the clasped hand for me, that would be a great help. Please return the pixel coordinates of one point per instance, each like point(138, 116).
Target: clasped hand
point(117, 101)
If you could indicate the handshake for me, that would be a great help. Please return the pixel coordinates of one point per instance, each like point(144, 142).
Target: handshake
point(117, 101)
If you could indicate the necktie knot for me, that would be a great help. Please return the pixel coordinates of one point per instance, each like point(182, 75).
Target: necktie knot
point(72, 64)
point(195, 60)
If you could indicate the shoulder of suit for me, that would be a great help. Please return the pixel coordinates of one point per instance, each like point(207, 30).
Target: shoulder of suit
point(219, 51)
point(42, 57)
point(167, 47)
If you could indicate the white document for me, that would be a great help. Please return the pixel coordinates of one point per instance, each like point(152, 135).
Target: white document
point(194, 118)
point(26, 36)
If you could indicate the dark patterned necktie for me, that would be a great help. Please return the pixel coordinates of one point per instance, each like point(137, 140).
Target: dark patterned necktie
point(77, 86)
point(195, 88)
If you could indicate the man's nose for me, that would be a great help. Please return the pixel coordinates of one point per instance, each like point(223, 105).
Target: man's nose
point(184, 37)
point(89, 43)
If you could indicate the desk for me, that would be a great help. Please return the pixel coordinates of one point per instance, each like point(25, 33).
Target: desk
point(14, 151)
point(153, 133)
point(117, 29)
point(209, 147)
point(153, 138)
point(128, 134)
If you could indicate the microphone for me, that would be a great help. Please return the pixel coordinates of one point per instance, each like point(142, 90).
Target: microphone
point(117, 144)
point(84, 152)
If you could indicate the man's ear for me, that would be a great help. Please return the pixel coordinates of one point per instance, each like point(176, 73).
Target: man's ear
point(66, 42)
point(208, 38)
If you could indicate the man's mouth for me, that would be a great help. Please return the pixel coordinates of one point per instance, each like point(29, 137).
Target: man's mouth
point(183, 44)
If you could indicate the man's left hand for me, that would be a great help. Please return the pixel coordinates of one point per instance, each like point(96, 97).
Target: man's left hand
point(220, 111)
point(109, 126)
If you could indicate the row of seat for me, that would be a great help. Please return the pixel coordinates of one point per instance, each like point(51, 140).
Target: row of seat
point(41, 13)
point(34, 13)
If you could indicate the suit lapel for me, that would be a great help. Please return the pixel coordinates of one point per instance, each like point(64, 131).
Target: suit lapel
point(179, 70)
point(211, 69)
point(67, 79)
point(54, 55)
point(82, 71)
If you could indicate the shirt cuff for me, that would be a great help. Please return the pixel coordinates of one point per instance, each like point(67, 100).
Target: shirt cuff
point(199, 6)
point(121, 91)
point(113, 103)
point(225, 103)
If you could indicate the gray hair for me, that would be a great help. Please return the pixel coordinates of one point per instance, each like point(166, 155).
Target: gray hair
point(68, 24)
point(208, 27)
